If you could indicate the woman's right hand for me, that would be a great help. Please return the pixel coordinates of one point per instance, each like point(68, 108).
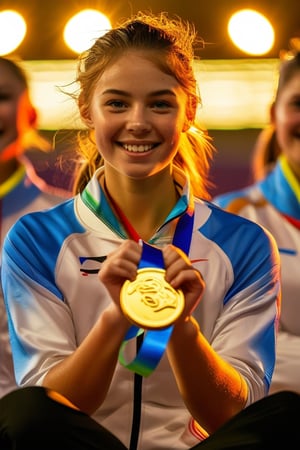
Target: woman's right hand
point(119, 266)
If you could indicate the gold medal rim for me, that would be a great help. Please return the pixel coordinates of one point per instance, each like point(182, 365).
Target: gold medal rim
point(133, 317)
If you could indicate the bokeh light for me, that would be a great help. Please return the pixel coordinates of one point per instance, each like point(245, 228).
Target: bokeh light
point(82, 29)
point(251, 32)
point(12, 31)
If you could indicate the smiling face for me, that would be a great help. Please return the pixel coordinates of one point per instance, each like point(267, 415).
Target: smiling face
point(11, 89)
point(138, 114)
point(286, 118)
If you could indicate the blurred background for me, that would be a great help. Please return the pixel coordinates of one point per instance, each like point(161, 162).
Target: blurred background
point(46, 21)
point(236, 79)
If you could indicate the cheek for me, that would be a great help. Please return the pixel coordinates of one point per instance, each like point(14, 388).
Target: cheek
point(98, 138)
point(284, 122)
point(173, 129)
point(286, 117)
point(282, 134)
point(8, 113)
point(103, 136)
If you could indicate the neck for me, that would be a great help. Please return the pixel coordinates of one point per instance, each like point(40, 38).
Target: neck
point(144, 208)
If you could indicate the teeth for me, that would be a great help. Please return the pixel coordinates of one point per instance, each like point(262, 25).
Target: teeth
point(137, 148)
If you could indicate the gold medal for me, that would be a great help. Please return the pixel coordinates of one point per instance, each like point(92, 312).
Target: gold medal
point(149, 301)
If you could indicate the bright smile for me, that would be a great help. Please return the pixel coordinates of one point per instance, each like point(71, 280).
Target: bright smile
point(134, 148)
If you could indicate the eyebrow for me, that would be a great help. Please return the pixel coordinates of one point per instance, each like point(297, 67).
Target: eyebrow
point(124, 93)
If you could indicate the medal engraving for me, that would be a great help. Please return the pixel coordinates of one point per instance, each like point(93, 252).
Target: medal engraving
point(149, 301)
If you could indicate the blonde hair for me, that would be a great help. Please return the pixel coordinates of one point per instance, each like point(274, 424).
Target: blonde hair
point(169, 43)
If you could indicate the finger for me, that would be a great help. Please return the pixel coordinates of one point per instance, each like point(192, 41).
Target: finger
point(188, 279)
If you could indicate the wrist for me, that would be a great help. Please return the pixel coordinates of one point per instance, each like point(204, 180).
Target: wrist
point(189, 326)
point(113, 317)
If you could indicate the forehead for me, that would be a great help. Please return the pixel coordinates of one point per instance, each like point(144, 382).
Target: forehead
point(291, 83)
point(9, 80)
point(136, 66)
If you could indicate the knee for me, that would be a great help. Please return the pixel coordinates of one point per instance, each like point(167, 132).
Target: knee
point(20, 410)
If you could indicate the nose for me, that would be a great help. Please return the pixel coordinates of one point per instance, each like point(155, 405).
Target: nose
point(138, 127)
point(137, 121)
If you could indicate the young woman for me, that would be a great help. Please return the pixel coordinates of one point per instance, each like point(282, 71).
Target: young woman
point(21, 189)
point(141, 315)
point(274, 202)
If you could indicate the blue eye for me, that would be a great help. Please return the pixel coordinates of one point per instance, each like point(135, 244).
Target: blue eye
point(116, 103)
point(161, 104)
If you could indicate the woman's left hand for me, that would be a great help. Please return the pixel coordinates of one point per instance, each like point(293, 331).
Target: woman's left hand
point(182, 275)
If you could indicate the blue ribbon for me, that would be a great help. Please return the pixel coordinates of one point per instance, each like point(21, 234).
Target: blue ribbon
point(155, 341)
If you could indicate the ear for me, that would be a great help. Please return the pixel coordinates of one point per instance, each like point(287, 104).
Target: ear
point(86, 118)
point(186, 126)
point(85, 113)
point(88, 123)
point(27, 113)
point(190, 113)
point(32, 116)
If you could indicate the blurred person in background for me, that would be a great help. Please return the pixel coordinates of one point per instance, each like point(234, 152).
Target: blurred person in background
point(21, 189)
point(274, 202)
point(265, 153)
